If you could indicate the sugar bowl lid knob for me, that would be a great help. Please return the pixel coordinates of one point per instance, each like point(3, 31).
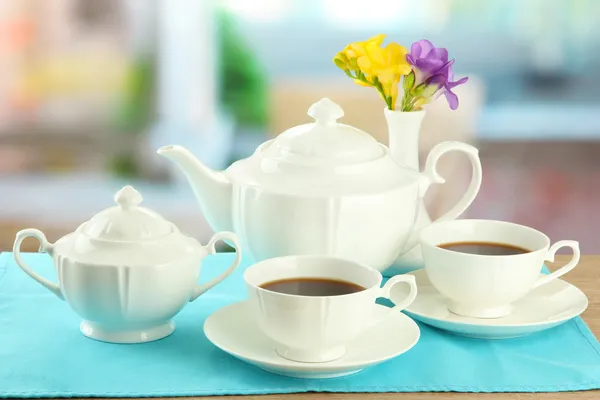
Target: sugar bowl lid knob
point(127, 221)
point(128, 197)
point(325, 111)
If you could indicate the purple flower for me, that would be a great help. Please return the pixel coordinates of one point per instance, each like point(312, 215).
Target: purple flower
point(432, 67)
point(427, 58)
point(450, 84)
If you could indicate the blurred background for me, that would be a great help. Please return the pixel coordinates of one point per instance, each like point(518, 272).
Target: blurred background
point(90, 89)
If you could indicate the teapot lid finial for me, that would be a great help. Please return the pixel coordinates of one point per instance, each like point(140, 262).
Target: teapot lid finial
point(325, 111)
point(128, 197)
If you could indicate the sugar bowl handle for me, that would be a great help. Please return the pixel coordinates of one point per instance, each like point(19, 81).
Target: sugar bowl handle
point(221, 236)
point(45, 247)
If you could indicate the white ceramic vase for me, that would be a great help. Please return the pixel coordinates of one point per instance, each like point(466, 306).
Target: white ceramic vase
point(404, 129)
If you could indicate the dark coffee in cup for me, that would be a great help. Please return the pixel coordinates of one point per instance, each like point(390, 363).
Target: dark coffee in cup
point(484, 248)
point(312, 287)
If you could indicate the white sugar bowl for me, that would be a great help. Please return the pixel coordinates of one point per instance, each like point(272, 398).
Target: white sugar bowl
point(127, 271)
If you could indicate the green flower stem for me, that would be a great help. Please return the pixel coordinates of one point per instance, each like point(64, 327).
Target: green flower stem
point(360, 76)
point(405, 101)
point(388, 100)
point(408, 102)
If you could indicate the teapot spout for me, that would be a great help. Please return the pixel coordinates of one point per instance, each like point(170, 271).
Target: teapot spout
point(212, 188)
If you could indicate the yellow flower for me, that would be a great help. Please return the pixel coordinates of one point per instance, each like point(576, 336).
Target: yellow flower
point(394, 93)
point(362, 83)
point(384, 62)
point(368, 64)
point(341, 61)
point(358, 49)
point(387, 64)
point(389, 83)
point(346, 59)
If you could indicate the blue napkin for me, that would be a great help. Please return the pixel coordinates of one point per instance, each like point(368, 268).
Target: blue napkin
point(43, 354)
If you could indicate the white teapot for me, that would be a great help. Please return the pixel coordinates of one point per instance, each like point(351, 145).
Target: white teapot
point(127, 272)
point(322, 188)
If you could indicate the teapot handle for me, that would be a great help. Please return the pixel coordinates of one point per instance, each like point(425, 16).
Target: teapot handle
point(220, 236)
point(45, 247)
point(430, 176)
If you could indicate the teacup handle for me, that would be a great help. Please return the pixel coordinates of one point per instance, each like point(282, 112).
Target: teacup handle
point(430, 176)
point(220, 236)
point(563, 270)
point(400, 304)
point(45, 247)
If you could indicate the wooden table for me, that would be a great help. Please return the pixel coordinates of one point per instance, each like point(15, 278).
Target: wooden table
point(586, 276)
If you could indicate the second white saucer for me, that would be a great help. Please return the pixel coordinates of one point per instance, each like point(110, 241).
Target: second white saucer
point(233, 330)
point(543, 308)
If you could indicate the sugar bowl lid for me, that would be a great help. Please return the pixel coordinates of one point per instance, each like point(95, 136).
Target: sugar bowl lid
point(127, 234)
point(127, 222)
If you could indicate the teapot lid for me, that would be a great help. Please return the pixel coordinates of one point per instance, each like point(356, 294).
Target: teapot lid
point(325, 141)
point(323, 158)
point(127, 222)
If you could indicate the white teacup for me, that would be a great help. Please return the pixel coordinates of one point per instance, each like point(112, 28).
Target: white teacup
point(318, 328)
point(484, 286)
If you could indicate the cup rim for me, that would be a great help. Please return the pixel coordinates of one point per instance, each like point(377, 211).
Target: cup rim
point(258, 264)
point(439, 225)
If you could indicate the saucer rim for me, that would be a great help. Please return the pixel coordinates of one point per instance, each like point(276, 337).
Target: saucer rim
point(482, 322)
point(290, 365)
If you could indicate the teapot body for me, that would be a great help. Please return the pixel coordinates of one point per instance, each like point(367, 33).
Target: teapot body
point(321, 188)
point(324, 188)
point(370, 228)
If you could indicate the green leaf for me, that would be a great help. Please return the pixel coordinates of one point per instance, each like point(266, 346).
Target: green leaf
point(429, 91)
point(409, 81)
point(419, 90)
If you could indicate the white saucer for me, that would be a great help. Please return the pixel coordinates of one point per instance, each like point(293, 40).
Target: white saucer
point(233, 330)
point(543, 308)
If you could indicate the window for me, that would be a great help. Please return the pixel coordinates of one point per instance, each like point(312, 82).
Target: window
point(258, 10)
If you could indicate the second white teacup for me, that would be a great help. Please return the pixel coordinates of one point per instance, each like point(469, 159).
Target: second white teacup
point(308, 328)
point(485, 286)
